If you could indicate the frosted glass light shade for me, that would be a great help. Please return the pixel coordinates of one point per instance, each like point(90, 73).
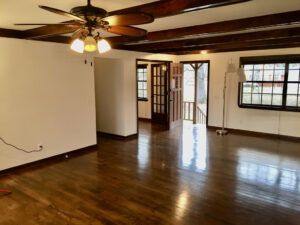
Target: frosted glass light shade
point(103, 46)
point(90, 44)
point(77, 46)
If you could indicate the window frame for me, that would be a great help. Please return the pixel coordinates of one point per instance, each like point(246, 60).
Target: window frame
point(142, 66)
point(286, 59)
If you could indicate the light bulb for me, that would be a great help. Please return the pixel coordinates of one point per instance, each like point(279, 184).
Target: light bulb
point(77, 46)
point(103, 46)
point(203, 52)
point(90, 44)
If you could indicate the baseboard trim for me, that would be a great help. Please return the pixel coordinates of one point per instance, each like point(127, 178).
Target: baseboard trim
point(257, 134)
point(116, 136)
point(49, 160)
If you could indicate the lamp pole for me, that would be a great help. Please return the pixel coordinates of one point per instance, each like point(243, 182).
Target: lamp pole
point(223, 131)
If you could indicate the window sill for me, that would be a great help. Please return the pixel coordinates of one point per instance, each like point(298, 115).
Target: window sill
point(274, 108)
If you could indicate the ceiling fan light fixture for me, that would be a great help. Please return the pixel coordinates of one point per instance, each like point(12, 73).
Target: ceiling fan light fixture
point(77, 45)
point(103, 46)
point(90, 44)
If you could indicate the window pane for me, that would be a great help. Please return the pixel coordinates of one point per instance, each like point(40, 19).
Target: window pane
point(145, 94)
point(246, 99)
point(145, 76)
point(279, 75)
point(266, 99)
point(256, 88)
point(140, 85)
point(277, 100)
point(280, 66)
point(294, 66)
point(162, 109)
point(298, 101)
point(247, 87)
point(248, 67)
point(256, 99)
point(140, 94)
point(249, 75)
point(291, 100)
point(277, 88)
point(267, 88)
point(293, 75)
point(268, 75)
point(292, 88)
point(258, 67)
point(145, 85)
point(140, 76)
point(257, 75)
point(269, 66)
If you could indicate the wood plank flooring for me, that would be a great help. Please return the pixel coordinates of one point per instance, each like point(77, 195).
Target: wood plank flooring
point(187, 176)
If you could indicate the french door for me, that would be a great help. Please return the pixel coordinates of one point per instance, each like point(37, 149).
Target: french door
point(176, 95)
point(159, 90)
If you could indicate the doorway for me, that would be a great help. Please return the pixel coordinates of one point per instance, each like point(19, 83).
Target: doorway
point(152, 78)
point(196, 89)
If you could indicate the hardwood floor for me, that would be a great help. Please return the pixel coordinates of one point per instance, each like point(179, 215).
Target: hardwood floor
point(186, 176)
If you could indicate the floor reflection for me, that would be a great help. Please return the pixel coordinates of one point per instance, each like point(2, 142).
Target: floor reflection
point(270, 173)
point(193, 154)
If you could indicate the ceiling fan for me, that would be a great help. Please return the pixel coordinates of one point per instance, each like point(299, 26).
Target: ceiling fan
point(86, 19)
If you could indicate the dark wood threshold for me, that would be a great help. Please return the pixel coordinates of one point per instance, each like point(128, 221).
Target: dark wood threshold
point(49, 161)
point(119, 137)
point(144, 119)
point(257, 134)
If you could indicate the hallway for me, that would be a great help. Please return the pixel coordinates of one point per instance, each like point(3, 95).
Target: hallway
point(186, 176)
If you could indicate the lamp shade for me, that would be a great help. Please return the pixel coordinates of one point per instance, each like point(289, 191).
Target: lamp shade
point(77, 46)
point(90, 44)
point(103, 46)
point(241, 74)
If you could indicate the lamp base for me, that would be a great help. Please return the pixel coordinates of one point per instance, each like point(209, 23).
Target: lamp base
point(222, 132)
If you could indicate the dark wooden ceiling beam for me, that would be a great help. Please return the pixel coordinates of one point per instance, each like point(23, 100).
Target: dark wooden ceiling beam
point(236, 45)
point(272, 20)
point(261, 47)
point(252, 36)
point(166, 8)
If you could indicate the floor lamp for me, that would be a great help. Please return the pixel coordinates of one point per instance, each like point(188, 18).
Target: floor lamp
point(231, 69)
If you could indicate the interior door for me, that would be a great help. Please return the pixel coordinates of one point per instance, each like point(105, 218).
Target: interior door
point(159, 105)
point(176, 95)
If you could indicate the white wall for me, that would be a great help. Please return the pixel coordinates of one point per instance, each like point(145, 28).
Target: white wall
point(274, 122)
point(144, 107)
point(46, 97)
point(128, 119)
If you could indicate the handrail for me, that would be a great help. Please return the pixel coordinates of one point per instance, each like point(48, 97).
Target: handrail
point(201, 116)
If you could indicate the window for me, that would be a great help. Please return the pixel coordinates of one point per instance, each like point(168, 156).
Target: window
point(272, 83)
point(142, 82)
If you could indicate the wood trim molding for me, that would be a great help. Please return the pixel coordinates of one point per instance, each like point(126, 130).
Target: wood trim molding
point(119, 137)
point(50, 160)
point(257, 134)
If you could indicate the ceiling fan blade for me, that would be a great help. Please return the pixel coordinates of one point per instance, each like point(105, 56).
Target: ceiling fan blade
point(127, 30)
point(50, 30)
point(43, 24)
point(79, 32)
point(61, 12)
point(129, 19)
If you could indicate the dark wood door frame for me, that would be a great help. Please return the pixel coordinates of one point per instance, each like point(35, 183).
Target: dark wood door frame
point(208, 83)
point(136, 65)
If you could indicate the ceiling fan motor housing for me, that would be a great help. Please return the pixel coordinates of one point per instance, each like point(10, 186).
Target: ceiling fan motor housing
point(89, 11)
